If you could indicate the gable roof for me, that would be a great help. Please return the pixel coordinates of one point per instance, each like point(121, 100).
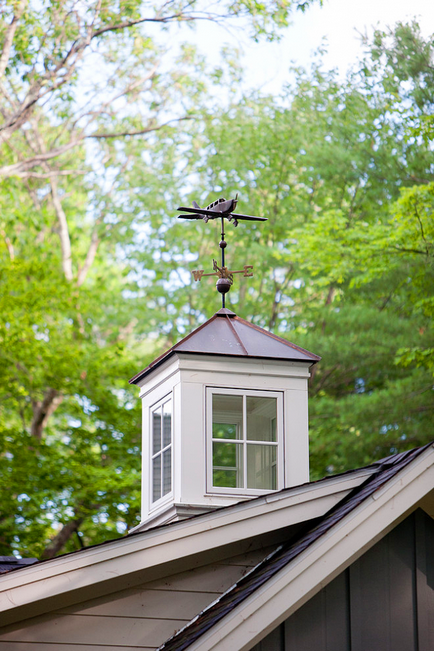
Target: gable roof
point(227, 334)
point(338, 512)
point(388, 468)
point(32, 590)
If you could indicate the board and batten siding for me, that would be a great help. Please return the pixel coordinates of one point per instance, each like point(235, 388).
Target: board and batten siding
point(142, 617)
point(382, 602)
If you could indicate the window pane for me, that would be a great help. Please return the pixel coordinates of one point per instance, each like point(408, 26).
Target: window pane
point(224, 431)
point(227, 416)
point(261, 418)
point(167, 471)
point(228, 458)
point(167, 423)
point(224, 478)
point(261, 466)
point(156, 478)
point(156, 431)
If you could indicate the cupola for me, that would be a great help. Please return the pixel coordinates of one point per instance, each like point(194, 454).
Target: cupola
point(225, 409)
point(224, 419)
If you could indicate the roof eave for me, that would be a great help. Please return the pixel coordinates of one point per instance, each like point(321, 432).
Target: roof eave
point(160, 360)
point(35, 587)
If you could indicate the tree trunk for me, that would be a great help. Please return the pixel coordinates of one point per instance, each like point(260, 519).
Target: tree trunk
point(43, 410)
point(60, 540)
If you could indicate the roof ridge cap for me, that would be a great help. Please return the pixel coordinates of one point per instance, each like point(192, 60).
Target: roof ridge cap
point(224, 311)
point(237, 336)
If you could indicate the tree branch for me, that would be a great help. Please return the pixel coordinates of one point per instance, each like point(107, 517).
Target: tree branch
point(90, 257)
point(9, 245)
point(65, 242)
point(10, 33)
point(35, 92)
point(139, 132)
point(23, 166)
point(48, 175)
point(404, 250)
point(20, 168)
point(60, 539)
point(43, 410)
point(131, 23)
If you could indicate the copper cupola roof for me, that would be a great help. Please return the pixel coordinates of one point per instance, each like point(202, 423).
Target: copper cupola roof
point(227, 334)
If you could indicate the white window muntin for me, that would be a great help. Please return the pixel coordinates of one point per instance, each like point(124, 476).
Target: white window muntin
point(165, 448)
point(244, 442)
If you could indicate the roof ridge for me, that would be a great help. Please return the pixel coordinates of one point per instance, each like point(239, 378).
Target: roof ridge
point(231, 325)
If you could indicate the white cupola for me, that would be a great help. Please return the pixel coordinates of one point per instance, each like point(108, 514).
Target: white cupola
point(224, 419)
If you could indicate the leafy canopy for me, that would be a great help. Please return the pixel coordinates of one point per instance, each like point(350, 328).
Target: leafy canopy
point(96, 271)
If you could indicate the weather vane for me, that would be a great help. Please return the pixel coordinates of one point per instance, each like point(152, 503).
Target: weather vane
point(221, 209)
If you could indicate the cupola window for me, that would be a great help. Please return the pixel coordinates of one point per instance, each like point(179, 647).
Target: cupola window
point(245, 440)
point(161, 457)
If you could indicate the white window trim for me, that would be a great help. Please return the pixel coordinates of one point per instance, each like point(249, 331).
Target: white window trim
point(280, 438)
point(168, 496)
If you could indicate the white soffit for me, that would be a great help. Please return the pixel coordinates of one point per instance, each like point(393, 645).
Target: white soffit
point(154, 547)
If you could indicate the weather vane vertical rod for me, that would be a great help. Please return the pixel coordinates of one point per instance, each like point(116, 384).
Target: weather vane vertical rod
point(223, 246)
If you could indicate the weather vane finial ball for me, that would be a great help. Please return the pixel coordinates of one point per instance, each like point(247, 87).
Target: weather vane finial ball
point(223, 285)
point(221, 209)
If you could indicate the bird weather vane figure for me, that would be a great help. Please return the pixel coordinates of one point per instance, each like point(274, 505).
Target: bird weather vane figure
point(221, 209)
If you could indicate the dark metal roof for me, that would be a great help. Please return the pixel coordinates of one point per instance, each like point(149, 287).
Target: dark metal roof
point(285, 553)
point(227, 334)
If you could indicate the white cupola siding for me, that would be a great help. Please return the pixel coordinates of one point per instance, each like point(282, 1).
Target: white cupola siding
point(224, 419)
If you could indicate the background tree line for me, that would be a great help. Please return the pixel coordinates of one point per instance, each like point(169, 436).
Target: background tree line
point(102, 137)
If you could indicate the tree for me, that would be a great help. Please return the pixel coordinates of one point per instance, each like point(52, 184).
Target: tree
point(344, 264)
point(81, 88)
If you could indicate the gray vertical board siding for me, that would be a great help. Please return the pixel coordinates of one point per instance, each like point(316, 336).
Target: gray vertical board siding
point(337, 614)
point(369, 584)
point(383, 602)
point(382, 594)
point(273, 642)
point(402, 587)
point(424, 539)
point(306, 630)
point(323, 623)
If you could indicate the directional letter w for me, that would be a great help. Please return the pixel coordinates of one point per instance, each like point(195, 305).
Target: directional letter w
point(197, 275)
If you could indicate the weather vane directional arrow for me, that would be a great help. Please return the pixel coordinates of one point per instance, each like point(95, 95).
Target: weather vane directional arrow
point(221, 209)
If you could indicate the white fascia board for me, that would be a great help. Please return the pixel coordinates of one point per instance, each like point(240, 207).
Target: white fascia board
point(320, 563)
point(241, 365)
point(221, 363)
point(183, 539)
point(161, 374)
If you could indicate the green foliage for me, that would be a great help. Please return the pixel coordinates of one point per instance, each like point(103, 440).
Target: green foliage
point(96, 271)
point(344, 264)
point(83, 218)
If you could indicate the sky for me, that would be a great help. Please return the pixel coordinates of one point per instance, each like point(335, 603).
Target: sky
point(337, 21)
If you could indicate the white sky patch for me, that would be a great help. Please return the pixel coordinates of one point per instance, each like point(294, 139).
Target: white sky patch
point(338, 24)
